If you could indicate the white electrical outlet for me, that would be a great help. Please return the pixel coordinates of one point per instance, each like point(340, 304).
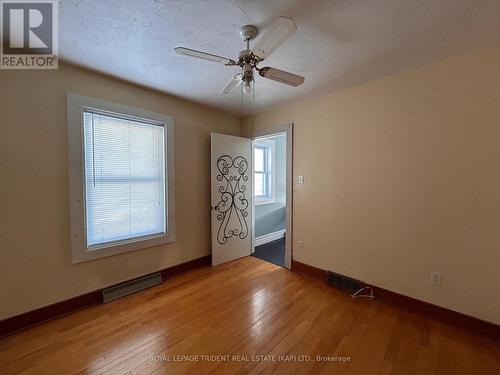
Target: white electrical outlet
point(436, 278)
point(301, 245)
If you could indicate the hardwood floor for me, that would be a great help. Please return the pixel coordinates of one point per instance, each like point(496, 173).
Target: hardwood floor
point(246, 308)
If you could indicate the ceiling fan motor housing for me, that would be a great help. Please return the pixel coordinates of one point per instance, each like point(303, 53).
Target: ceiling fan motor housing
point(243, 55)
point(247, 73)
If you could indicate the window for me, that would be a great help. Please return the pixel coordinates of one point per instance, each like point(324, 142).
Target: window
point(121, 178)
point(264, 171)
point(124, 178)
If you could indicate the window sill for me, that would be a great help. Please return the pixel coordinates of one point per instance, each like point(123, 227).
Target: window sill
point(83, 254)
point(263, 202)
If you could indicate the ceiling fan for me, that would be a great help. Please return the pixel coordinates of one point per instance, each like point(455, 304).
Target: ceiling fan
point(248, 59)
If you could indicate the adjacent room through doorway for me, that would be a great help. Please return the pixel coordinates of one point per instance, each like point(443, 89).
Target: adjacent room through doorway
point(269, 154)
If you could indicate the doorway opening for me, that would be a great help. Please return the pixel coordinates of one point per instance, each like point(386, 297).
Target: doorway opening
point(271, 152)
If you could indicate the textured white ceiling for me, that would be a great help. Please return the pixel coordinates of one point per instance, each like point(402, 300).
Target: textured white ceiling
point(339, 43)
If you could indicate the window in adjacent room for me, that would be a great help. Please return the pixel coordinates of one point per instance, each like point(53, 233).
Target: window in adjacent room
point(264, 181)
point(122, 194)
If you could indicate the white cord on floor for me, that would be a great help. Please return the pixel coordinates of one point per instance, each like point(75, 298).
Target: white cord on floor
point(357, 295)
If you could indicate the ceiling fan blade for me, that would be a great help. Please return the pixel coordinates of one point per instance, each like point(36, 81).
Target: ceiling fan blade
point(281, 76)
point(203, 55)
point(279, 30)
point(231, 85)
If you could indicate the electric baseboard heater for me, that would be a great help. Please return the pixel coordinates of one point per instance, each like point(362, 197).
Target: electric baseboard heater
point(129, 287)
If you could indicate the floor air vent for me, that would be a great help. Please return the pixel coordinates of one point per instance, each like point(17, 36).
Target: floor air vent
point(130, 287)
point(343, 282)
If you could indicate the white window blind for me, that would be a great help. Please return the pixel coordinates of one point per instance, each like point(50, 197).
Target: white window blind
point(124, 178)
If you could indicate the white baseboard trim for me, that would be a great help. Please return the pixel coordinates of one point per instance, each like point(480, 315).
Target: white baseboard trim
point(269, 237)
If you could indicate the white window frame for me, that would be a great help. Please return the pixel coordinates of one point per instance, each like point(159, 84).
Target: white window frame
point(76, 105)
point(269, 145)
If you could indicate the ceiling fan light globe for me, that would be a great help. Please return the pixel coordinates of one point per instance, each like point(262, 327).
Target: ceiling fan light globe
point(247, 88)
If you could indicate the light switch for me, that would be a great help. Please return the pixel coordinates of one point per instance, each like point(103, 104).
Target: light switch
point(301, 179)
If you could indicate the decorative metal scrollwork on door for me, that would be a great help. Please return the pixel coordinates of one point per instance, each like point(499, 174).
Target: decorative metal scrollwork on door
point(232, 206)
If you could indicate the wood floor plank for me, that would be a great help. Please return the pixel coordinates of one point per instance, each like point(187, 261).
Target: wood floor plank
point(246, 317)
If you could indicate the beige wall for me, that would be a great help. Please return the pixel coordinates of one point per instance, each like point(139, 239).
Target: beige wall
point(35, 256)
point(402, 177)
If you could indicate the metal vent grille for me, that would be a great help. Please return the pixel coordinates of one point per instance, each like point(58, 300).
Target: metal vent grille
point(343, 282)
point(122, 290)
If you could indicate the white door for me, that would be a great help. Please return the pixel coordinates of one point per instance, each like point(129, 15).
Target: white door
point(232, 198)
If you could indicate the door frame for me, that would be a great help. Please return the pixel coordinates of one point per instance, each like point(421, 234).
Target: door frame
point(266, 132)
